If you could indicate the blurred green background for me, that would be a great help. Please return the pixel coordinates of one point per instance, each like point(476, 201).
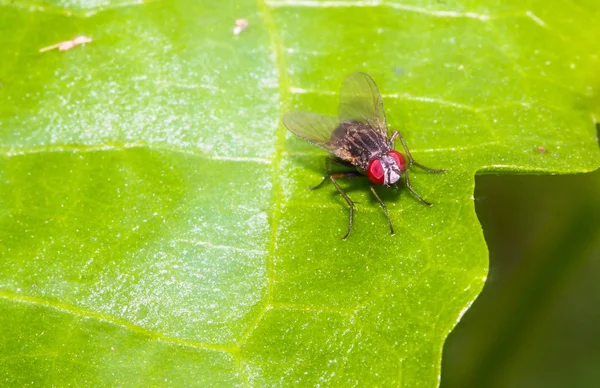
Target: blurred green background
point(536, 323)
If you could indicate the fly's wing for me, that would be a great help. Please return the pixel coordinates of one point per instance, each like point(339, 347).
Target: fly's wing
point(312, 127)
point(360, 101)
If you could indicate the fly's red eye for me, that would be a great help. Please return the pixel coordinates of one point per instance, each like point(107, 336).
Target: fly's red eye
point(399, 158)
point(376, 173)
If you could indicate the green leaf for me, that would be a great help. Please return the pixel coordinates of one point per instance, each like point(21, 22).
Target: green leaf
point(155, 222)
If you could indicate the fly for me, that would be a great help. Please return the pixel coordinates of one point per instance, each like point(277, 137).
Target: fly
point(358, 138)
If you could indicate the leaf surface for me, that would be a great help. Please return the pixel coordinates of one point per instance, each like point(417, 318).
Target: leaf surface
point(156, 226)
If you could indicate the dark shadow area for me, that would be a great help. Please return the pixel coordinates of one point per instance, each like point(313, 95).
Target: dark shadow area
point(362, 184)
point(536, 322)
point(349, 185)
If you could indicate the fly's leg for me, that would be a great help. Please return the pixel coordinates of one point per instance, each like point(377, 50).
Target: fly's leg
point(407, 182)
point(384, 209)
point(333, 177)
point(393, 139)
point(411, 161)
point(328, 162)
point(320, 184)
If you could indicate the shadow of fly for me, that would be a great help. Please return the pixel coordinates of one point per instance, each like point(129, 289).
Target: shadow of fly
point(358, 138)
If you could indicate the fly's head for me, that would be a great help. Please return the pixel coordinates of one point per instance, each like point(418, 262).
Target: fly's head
point(387, 168)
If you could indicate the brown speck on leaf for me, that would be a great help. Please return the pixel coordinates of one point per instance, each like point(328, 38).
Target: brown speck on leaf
point(240, 25)
point(67, 44)
point(541, 149)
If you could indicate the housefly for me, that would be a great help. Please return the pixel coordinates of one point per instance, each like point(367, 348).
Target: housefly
point(358, 138)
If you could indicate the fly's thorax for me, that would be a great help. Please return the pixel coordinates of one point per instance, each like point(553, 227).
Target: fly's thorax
point(359, 143)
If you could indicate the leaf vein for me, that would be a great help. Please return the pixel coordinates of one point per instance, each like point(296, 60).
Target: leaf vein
point(113, 320)
point(73, 148)
point(33, 6)
point(280, 64)
point(380, 3)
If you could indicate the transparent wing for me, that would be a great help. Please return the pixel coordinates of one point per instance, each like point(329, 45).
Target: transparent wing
point(360, 101)
point(312, 127)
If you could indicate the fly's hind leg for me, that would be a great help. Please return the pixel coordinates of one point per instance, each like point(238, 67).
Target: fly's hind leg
point(411, 161)
point(384, 209)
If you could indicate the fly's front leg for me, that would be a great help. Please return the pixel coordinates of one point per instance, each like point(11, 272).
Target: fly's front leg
point(393, 139)
point(384, 209)
point(408, 185)
point(411, 161)
point(328, 162)
point(351, 174)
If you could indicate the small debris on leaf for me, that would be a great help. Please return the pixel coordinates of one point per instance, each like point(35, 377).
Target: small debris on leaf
point(240, 25)
point(68, 44)
point(541, 149)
